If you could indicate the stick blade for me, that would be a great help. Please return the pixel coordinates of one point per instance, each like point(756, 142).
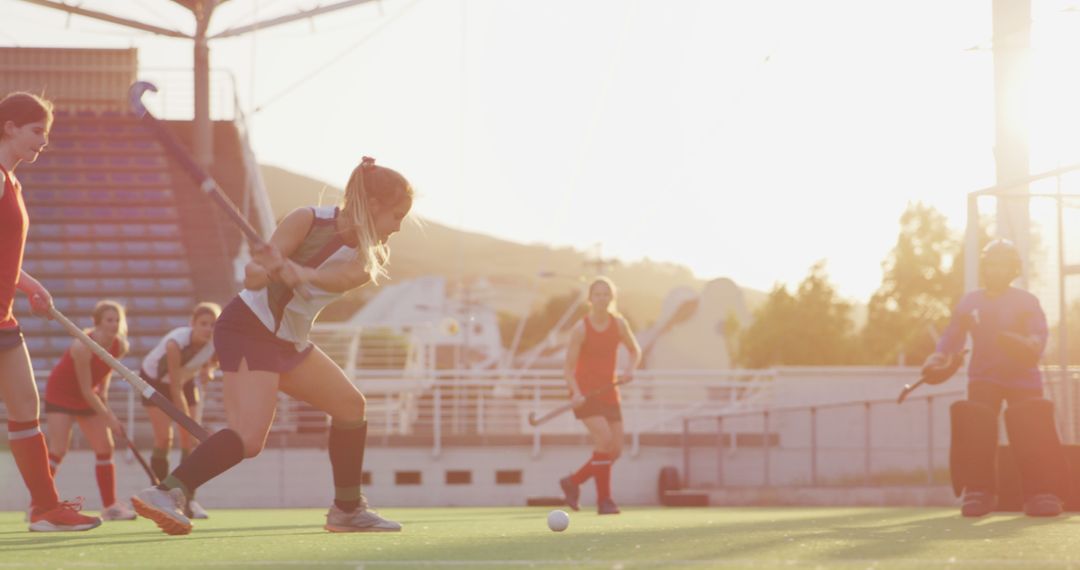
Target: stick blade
point(135, 93)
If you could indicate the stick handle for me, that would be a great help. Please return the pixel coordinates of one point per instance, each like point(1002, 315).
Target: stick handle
point(535, 421)
point(133, 379)
point(204, 179)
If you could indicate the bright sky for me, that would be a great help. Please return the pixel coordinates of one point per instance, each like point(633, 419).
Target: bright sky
point(744, 138)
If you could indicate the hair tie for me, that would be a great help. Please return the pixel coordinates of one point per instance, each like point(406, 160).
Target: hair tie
point(367, 163)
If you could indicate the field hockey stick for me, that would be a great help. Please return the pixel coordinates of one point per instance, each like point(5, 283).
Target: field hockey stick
point(535, 421)
point(142, 462)
point(206, 182)
point(138, 457)
point(909, 388)
point(132, 379)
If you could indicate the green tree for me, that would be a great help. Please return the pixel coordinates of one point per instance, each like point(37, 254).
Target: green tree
point(918, 289)
point(811, 327)
point(923, 278)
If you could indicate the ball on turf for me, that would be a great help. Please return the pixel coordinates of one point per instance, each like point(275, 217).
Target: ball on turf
point(558, 520)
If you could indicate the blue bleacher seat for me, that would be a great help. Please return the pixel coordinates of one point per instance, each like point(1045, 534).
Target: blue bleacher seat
point(133, 230)
point(81, 284)
point(104, 231)
point(108, 248)
point(142, 285)
point(149, 161)
point(46, 230)
point(171, 266)
point(163, 230)
point(80, 248)
point(159, 212)
point(87, 304)
point(53, 266)
point(153, 178)
point(43, 196)
point(115, 286)
point(138, 266)
point(152, 322)
point(177, 303)
point(167, 248)
point(145, 304)
point(33, 326)
point(111, 267)
point(175, 284)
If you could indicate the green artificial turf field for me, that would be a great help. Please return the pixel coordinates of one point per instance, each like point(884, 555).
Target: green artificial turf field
point(519, 538)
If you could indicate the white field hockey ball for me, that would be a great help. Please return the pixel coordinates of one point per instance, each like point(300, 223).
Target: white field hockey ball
point(558, 520)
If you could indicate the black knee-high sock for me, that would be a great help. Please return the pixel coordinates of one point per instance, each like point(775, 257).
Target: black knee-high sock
point(159, 463)
point(213, 457)
point(184, 453)
point(347, 441)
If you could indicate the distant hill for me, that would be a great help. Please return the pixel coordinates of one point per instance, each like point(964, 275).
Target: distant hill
point(512, 268)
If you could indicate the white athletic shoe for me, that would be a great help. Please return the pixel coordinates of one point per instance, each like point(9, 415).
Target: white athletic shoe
point(362, 519)
point(165, 508)
point(118, 512)
point(196, 511)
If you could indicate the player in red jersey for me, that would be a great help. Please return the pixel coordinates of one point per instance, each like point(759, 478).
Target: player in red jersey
point(590, 375)
point(77, 390)
point(25, 120)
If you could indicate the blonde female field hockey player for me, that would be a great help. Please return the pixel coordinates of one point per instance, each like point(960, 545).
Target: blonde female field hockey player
point(262, 344)
point(77, 392)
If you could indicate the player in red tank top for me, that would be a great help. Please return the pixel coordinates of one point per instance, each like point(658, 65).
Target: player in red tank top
point(25, 120)
point(591, 360)
point(77, 391)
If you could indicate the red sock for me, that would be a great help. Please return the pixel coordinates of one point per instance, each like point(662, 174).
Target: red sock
point(589, 469)
point(106, 478)
point(32, 458)
point(584, 473)
point(54, 463)
point(602, 472)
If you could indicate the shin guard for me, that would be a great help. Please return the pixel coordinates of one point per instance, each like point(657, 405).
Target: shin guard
point(973, 449)
point(1040, 457)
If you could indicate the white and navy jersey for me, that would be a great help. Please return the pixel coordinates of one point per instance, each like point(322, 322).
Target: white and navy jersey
point(192, 357)
point(278, 307)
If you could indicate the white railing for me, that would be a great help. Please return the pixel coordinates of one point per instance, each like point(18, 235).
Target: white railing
point(467, 407)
